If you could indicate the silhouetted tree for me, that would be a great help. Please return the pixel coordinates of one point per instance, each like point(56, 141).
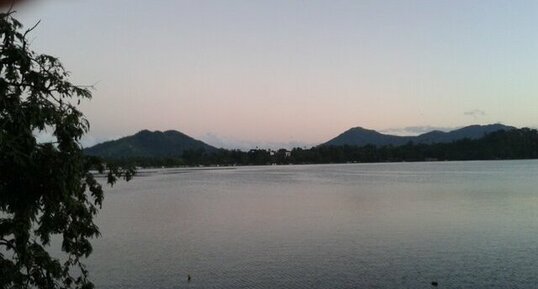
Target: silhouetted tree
point(46, 189)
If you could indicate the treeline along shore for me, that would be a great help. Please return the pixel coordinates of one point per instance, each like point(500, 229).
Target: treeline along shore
point(501, 145)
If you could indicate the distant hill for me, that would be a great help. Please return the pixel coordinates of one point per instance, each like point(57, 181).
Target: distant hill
point(150, 144)
point(359, 136)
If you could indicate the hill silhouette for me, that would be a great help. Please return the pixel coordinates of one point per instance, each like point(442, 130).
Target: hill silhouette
point(359, 136)
point(149, 144)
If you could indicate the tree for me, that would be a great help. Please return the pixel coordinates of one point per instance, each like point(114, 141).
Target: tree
point(46, 189)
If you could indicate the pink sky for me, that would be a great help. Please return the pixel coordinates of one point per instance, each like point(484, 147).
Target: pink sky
point(286, 71)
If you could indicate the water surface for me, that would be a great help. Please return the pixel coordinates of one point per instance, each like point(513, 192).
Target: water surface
point(394, 225)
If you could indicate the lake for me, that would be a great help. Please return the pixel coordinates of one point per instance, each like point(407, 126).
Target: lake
point(390, 225)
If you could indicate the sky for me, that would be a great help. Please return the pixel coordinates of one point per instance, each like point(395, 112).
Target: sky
point(293, 72)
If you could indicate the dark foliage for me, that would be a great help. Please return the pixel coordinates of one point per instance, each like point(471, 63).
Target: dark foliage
point(46, 189)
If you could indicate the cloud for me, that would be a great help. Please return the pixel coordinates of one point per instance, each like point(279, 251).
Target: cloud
point(416, 130)
point(89, 140)
point(46, 136)
point(475, 113)
point(245, 145)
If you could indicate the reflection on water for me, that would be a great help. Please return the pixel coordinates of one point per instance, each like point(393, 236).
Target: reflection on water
point(402, 225)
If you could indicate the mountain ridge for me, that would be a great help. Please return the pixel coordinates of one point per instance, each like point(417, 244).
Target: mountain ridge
point(146, 143)
point(359, 136)
point(173, 143)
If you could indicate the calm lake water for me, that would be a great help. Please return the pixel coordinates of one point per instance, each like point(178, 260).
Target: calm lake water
point(401, 225)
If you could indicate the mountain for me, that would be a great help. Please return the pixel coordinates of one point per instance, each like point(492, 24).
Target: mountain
point(146, 143)
point(359, 136)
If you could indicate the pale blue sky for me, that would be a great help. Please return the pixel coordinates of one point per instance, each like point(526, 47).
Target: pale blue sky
point(283, 71)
